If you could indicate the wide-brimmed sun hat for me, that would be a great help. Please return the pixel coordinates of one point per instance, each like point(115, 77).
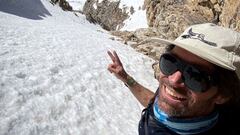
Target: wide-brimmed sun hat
point(216, 44)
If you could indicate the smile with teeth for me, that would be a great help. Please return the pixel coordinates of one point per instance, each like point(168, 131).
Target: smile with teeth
point(174, 95)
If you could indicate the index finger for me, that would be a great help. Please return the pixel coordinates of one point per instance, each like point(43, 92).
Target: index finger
point(117, 58)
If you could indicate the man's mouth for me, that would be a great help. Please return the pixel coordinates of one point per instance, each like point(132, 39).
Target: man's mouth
point(173, 95)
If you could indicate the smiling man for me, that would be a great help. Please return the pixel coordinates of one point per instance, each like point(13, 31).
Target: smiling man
point(199, 84)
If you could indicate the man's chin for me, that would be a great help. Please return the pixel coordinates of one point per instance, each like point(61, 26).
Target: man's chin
point(171, 110)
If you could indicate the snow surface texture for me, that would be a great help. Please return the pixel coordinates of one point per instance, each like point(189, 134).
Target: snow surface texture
point(136, 20)
point(54, 78)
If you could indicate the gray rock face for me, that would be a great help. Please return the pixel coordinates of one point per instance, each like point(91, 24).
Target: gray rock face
point(106, 13)
point(171, 17)
point(230, 14)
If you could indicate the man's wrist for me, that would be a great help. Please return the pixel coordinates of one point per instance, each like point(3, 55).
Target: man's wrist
point(130, 81)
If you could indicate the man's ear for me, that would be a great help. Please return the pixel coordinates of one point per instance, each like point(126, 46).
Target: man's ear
point(221, 99)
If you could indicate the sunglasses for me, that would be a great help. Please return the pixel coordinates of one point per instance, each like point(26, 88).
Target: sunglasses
point(195, 79)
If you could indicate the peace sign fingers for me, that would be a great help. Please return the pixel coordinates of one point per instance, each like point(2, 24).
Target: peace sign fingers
point(115, 58)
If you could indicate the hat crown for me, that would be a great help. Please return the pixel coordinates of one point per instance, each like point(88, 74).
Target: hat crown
point(213, 35)
point(221, 43)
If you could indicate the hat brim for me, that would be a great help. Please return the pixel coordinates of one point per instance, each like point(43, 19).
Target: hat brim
point(213, 55)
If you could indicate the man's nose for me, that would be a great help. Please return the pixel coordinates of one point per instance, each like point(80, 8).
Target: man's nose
point(176, 78)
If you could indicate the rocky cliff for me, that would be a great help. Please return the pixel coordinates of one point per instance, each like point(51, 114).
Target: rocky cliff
point(171, 17)
point(107, 13)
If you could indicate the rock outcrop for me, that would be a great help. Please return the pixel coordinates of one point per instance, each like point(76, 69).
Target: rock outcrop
point(106, 13)
point(135, 38)
point(230, 14)
point(63, 4)
point(171, 17)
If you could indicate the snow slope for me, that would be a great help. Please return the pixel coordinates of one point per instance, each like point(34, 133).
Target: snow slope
point(53, 76)
point(136, 20)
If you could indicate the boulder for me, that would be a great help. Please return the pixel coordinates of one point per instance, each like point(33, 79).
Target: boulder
point(230, 14)
point(63, 4)
point(171, 17)
point(106, 13)
point(135, 38)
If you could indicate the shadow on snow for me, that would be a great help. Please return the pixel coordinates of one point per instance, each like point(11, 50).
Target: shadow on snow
point(31, 9)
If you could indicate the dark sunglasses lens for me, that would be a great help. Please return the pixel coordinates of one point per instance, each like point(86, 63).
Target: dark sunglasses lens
point(194, 79)
point(168, 64)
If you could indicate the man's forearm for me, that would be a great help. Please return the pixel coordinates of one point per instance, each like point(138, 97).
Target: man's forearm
point(142, 94)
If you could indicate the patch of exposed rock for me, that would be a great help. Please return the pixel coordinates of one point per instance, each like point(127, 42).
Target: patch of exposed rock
point(230, 14)
point(135, 38)
point(63, 4)
point(171, 17)
point(106, 13)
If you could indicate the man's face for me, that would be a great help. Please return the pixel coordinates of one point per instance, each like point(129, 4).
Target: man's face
point(176, 99)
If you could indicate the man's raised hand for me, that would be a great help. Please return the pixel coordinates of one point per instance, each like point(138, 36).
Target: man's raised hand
point(116, 66)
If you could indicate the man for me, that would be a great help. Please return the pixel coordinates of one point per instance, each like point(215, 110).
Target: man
point(198, 84)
